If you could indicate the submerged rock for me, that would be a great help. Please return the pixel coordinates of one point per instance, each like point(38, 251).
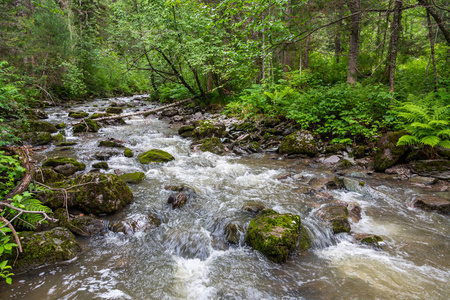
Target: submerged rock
point(274, 235)
point(253, 207)
point(43, 248)
point(300, 142)
point(155, 155)
point(134, 178)
point(388, 153)
point(86, 226)
point(139, 223)
point(94, 193)
point(233, 233)
point(438, 168)
point(177, 200)
point(430, 203)
point(336, 214)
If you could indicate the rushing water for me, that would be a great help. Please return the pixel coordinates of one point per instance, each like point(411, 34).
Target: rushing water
point(187, 256)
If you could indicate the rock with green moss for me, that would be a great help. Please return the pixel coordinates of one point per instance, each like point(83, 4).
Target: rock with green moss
point(155, 156)
point(110, 144)
point(101, 165)
point(58, 137)
point(388, 153)
point(186, 131)
point(274, 235)
point(300, 142)
point(206, 129)
point(336, 215)
point(87, 125)
point(359, 152)
point(41, 126)
point(59, 160)
point(128, 153)
point(133, 178)
point(371, 240)
point(60, 125)
point(64, 144)
point(94, 193)
point(99, 115)
point(246, 126)
point(213, 145)
point(38, 138)
point(114, 110)
point(335, 148)
point(43, 248)
point(78, 114)
point(86, 226)
point(48, 176)
point(437, 168)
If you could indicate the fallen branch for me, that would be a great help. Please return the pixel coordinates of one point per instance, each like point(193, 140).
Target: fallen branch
point(147, 112)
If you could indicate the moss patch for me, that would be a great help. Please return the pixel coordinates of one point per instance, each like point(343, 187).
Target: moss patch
point(114, 110)
point(87, 125)
point(101, 165)
point(41, 126)
point(110, 144)
point(213, 145)
point(128, 153)
point(156, 156)
point(135, 177)
point(300, 142)
point(78, 114)
point(60, 125)
point(57, 161)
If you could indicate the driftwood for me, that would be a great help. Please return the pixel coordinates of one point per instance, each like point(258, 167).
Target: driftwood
point(148, 111)
point(28, 164)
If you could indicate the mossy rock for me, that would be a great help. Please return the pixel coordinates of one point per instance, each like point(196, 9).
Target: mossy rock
point(99, 115)
point(274, 235)
point(101, 165)
point(43, 248)
point(78, 114)
point(336, 215)
point(87, 125)
point(86, 226)
point(271, 122)
point(206, 129)
point(41, 126)
point(300, 142)
point(134, 178)
point(254, 146)
point(48, 176)
point(95, 193)
point(60, 125)
point(388, 153)
point(59, 160)
point(114, 110)
point(110, 144)
point(304, 240)
point(246, 126)
point(371, 240)
point(213, 145)
point(334, 148)
point(128, 153)
point(184, 129)
point(359, 152)
point(58, 137)
point(438, 168)
point(65, 144)
point(38, 138)
point(156, 156)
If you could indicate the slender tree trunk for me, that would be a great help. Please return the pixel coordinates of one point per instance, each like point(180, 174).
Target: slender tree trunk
point(440, 22)
point(286, 54)
point(393, 45)
point(337, 41)
point(432, 54)
point(355, 7)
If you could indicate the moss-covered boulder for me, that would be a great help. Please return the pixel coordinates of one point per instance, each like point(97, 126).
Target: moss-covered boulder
point(300, 142)
point(133, 178)
point(101, 165)
point(213, 145)
point(60, 125)
point(112, 144)
point(65, 144)
point(437, 168)
point(336, 215)
point(114, 110)
point(388, 153)
point(59, 160)
point(86, 226)
point(78, 114)
point(94, 193)
point(156, 156)
point(42, 126)
point(48, 176)
point(38, 138)
point(431, 203)
point(128, 153)
point(274, 235)
point(87, 125)
point(206, 129)
point(186, 131)
point(43, 248)
point(58, 137)
point(99, 115)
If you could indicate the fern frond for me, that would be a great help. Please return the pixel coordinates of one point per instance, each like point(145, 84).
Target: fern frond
point(430, 140)
point(407, 140)
point(438, 123)
point(445, 144)
point(421, 125)
point(414, 112)
point(441, 112)
point(443, 133)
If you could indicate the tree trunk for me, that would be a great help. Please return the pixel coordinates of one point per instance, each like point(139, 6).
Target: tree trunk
point(395, 35)
point(286, 54)
point(355, 7)
point(431, 9)
point(337, 41)
point(432, 55)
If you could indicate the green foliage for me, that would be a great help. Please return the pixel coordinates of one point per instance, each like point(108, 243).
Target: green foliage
point(427, 126)
point(73, 81)
point(10, 172)
point(5, 247)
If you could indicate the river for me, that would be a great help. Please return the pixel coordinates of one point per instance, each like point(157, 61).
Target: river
point(187, 256)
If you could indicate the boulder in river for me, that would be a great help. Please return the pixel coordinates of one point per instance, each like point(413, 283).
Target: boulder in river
point(134, 177)
point(274, 235)
point(43, 248)
point(155, 155)
point(94, 193)
point(41, 126)
point(437, 168)
point(177, 200)
point(138, 223)
point(205, 129)
point(114, 110)
point(86, 226)
point(253, 207)
point(78, 114)
point(388, 153)
point(86, 125)
point(38, 138)
point(112, 144)
point(128, 153)
point(368, 239)
point(48, 176)
point(336, 214)
point(64, 165)
point(233, 233)
point(101, 165)
point(300, 142)
point(186, 131)
point(431, 203)
point(213, 145)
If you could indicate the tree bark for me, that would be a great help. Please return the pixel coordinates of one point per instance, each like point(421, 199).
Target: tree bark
point(393, 46)
point(440, 22)
point(355, 7)
point(432, 54)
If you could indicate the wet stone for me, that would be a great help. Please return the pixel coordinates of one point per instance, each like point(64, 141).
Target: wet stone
point(177, 200)
point(436, 204)
point(66, 169)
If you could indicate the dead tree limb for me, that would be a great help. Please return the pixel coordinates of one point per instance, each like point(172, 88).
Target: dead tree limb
point(147, 112)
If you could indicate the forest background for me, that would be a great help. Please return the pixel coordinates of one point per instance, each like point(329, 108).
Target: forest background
point(346, 70)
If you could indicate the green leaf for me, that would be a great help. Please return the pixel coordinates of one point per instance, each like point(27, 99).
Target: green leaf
point(430, 140)
point(8, 280)
point(407, 140)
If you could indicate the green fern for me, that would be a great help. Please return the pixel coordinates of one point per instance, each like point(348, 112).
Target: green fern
point(26, 201)
point(428, 126)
